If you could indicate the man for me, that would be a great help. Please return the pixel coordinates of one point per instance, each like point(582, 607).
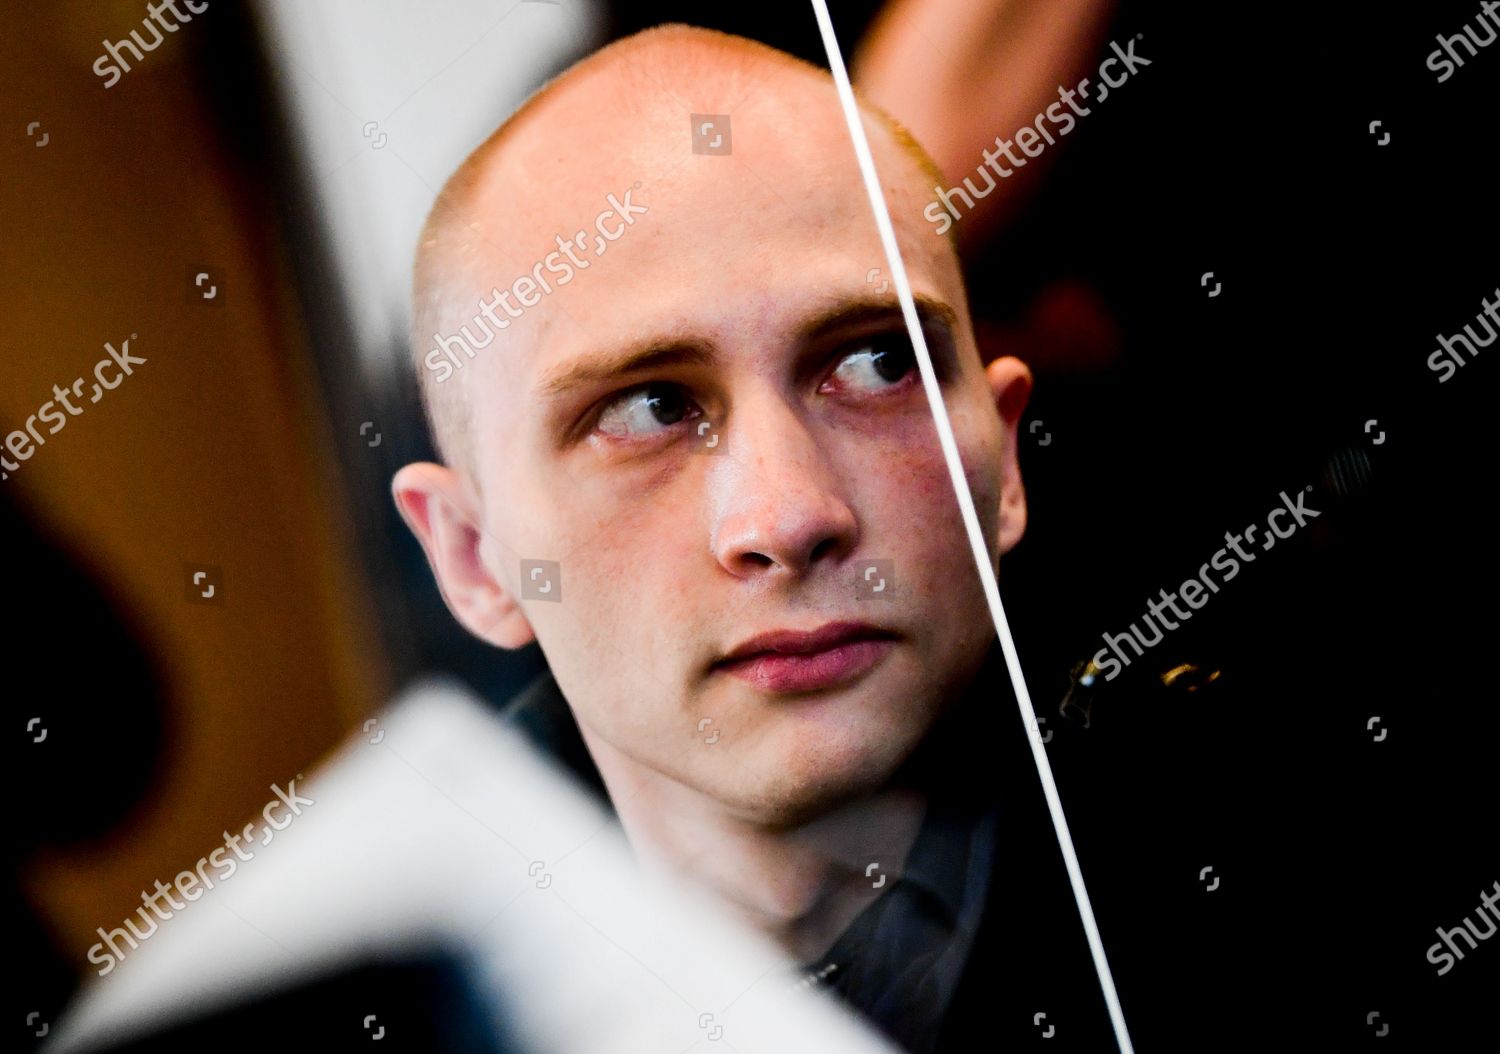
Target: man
point(688, 452)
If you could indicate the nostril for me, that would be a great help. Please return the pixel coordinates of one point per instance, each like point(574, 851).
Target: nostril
point(757, 559)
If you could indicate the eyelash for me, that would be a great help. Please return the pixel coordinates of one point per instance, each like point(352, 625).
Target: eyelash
point(878, 343)
point(692, 412)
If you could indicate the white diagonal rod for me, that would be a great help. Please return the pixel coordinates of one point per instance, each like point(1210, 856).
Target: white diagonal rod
point(971, 520)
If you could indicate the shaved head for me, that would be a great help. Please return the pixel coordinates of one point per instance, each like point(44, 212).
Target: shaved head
point(499, 214)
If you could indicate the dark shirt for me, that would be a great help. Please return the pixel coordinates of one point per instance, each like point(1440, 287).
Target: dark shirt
point(911, 961)
point(899, 962)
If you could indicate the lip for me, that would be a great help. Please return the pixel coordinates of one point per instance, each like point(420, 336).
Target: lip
point(832, 655)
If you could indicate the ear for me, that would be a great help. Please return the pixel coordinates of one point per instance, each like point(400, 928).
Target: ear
point(1010, 385)
point(443, 514)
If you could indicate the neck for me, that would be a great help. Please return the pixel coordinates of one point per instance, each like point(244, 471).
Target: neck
point(800, 886)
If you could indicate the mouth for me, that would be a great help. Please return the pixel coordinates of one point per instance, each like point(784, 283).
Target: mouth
point(787, 661)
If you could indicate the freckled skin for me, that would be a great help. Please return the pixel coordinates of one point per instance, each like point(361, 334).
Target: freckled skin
point(671, 557)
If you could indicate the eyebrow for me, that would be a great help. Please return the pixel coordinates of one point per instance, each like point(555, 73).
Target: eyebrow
point(856, 312)
point(595, 369)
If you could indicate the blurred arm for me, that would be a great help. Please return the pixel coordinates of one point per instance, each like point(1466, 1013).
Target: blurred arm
point(959, 73)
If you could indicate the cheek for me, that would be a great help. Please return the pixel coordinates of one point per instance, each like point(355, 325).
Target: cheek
point(912, 501)
point(629, 578)
point(976, 428)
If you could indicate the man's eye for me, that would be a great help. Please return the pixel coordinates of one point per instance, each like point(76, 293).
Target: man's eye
point(880, 362)
point(644, 411)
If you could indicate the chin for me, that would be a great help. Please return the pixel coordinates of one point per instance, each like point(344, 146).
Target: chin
point(812, 778)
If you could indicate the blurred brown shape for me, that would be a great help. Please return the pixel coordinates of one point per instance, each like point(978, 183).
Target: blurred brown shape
point(213, 452)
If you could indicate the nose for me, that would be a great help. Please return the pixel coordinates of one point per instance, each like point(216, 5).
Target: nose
point(780, 510)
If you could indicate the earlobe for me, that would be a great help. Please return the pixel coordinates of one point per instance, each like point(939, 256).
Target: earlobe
point(443, 516)
point(1010, 386)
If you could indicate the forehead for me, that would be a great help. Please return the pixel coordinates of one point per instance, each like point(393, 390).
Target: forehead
point(732, 251)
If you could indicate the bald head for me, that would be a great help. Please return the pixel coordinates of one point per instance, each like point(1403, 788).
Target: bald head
point(535, 207)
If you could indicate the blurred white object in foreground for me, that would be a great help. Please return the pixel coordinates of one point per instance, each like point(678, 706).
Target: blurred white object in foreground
point(442, 824)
